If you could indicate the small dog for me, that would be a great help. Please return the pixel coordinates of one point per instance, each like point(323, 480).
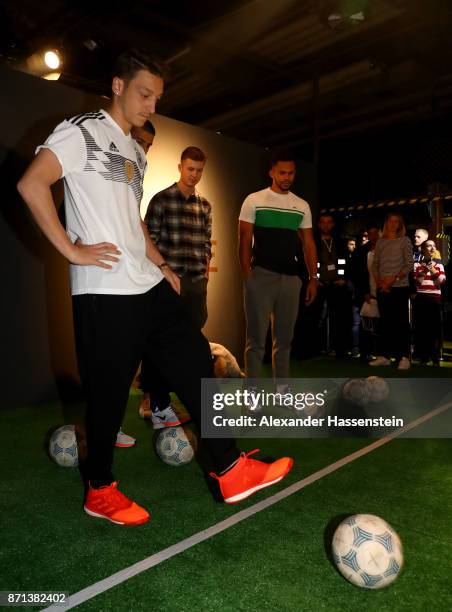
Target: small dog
point(224, 363)
point(224, 366)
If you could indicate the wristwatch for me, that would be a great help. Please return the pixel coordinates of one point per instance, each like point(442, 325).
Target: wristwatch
point(162, 265)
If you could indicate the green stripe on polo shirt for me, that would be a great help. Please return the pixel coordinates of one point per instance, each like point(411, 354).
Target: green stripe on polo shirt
point(281, 218)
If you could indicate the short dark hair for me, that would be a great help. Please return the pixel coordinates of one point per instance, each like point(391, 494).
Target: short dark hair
point(281, 155)
point(132, 61)
point(325, 214)
point(148, 127)
point(193, 153)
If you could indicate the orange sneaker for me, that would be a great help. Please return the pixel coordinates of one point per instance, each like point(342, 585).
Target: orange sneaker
point(248, 476)
point(109, 503)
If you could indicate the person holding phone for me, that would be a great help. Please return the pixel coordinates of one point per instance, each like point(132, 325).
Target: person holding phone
point(429, 275)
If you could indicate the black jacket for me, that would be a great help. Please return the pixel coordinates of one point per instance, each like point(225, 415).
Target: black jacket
point(359, 272)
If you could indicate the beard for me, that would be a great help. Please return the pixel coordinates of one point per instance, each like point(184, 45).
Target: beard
point(284, 185)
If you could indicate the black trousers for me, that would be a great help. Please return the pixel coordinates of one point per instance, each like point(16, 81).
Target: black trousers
point(368, 337)
point(112, 334)
point(339, 300)
point(394, 338)
point(427, 327)
point(193, 297)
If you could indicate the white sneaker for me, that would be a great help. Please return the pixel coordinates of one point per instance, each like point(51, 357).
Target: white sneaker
point(286, 397)
point(124, 441)
point(254, 407)
point(380, 361)
point(283, 389)
point(404, 364)
point(167, 418)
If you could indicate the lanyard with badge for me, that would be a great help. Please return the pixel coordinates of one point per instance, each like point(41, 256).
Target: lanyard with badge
point(330, 267)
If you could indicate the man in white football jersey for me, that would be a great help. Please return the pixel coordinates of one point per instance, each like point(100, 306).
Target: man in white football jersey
point(125, 296)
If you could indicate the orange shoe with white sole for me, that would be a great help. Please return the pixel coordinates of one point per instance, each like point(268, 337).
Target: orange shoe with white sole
point(109, 503)
point(248, 476)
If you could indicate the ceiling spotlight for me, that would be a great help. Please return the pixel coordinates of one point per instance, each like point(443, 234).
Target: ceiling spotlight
point(52, 59)
point(45, 64)
point(348, 13)
point(90, 44)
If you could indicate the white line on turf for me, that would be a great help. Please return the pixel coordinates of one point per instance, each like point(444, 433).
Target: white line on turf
point(205, 534)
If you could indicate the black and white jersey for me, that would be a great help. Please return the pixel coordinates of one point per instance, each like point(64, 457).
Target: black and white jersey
point(102, 170)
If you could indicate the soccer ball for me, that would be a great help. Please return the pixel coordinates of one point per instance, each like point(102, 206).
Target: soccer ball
point(378, 388)
point(357, 391)
point(367, 551)
point(176, 445)
point(63, 446)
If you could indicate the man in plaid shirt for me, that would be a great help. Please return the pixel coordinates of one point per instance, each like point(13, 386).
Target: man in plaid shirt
point(179, 221)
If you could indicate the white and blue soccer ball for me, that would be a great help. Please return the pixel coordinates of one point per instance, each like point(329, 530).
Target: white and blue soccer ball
point(367, 551)
point(176, 445)
point(378, 389)
point(357, 391)
point(63, 446)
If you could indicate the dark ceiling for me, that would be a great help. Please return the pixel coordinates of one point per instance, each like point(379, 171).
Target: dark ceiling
point(273, 72)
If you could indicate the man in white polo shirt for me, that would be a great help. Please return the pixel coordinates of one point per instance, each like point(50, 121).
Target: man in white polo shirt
point(125, 296)
point(271, 222)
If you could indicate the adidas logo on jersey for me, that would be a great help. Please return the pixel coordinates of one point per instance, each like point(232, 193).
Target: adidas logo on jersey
point(113, 147)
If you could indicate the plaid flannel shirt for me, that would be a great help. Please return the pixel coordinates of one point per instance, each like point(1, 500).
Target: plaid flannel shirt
point(181, 229)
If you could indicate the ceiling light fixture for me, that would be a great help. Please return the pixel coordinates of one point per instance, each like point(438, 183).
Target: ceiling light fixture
point(52, 59)
point(45, 64)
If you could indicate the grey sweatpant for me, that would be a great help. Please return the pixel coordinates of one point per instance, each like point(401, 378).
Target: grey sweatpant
point(274, 297)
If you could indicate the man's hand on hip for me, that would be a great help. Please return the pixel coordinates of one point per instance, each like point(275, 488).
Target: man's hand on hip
point(94, 254)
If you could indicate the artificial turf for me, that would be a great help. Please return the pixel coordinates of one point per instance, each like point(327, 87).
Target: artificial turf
point(277, 559)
